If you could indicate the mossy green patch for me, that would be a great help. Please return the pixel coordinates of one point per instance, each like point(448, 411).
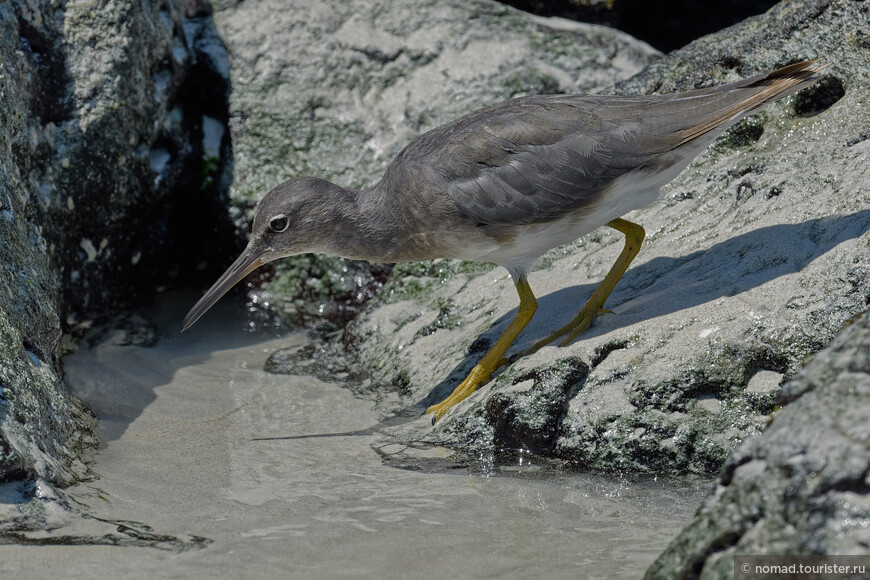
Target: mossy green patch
point(744, 133)
point(414, 280)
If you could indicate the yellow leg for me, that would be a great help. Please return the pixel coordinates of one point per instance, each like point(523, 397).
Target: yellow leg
point(494, 358)
point(634, 235)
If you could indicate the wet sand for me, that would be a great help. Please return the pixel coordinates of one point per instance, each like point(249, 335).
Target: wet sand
point(270, 476)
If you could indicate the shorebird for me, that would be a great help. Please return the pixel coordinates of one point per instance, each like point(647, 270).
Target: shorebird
point(506, 183)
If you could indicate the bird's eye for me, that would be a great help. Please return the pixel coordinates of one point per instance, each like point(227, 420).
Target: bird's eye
point(279, 223)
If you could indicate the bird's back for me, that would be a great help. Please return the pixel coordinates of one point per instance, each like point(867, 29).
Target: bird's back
point(536, 159)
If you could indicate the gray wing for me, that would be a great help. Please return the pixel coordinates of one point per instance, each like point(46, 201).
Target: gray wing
point(530, 160)
point(536, 158)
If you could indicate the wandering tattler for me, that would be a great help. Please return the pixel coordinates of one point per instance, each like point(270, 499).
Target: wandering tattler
point(506, 183)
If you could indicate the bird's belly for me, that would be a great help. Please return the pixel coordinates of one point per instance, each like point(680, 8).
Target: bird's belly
point(525, 243)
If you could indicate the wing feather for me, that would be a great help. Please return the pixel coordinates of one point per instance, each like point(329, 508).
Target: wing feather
point(537, 158)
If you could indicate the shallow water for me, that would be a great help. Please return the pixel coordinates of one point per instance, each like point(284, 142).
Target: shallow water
point(280, 474)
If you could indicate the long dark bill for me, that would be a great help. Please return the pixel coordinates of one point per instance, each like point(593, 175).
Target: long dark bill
point(244, 265)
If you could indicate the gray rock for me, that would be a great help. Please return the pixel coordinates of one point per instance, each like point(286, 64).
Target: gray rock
point(337, 89)
point(108, 149)
point(755, 258)
point(528, 414)
point(801, 487)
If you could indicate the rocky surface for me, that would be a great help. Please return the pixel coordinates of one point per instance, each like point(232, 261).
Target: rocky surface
point(337, 89)
point(113, 123)
point(755, 258)
point(802, 486)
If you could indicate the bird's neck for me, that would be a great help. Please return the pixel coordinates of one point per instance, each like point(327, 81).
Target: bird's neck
point(362, 227)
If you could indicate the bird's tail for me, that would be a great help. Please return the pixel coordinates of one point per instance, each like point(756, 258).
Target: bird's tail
point(755, 92)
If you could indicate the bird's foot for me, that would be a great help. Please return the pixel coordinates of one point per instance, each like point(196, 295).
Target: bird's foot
point(478, 375)
point(579, 324)
point(570, 331)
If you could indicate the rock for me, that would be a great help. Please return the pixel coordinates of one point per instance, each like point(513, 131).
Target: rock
point(116, 156)
point(755, 258)
point(326, 361)
point(337, 89)
point(528, 414)
point(800, 487)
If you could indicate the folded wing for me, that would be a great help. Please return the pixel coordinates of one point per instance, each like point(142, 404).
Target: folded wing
point(537, 158)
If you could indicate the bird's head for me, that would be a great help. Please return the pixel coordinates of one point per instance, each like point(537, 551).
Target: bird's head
point(293, 218)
